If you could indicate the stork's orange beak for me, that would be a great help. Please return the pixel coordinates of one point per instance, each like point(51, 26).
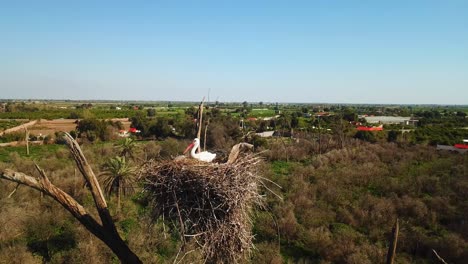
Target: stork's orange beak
point(189, 147)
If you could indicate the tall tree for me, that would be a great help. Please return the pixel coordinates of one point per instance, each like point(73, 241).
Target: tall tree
point(118, 177)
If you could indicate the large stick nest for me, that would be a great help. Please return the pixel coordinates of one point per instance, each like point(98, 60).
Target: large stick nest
point(211, 203)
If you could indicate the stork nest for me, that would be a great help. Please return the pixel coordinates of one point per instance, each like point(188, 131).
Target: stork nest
point(211, 203)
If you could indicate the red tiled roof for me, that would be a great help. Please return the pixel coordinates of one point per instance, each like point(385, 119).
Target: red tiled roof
point(364, 128)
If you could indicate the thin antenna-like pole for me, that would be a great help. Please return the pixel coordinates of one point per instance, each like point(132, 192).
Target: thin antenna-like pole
point(27, 140)
point(200, 121)
point(320, 135)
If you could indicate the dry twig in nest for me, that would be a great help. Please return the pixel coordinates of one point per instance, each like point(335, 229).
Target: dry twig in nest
point(211, 203)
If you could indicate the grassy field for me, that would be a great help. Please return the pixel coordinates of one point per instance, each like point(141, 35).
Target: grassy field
point(36, 152)
point(262, 113)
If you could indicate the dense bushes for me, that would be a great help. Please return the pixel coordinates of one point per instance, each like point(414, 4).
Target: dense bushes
point(338, 206)
point(434, 135)
point(163, 126)
point(16, 136)
point(6, 124)
point(93, 129)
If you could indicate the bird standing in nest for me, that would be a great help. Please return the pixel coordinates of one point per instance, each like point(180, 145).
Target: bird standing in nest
point(202, 156)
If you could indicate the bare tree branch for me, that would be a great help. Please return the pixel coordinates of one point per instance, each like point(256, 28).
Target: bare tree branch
point(206, 131)
point(20, 178)
point(106, 232)
point(86, 170)
point(235, 151)
point(45, 186)
point(439, 257)
point(26, 135)
point(393, 243)
point(13, 192)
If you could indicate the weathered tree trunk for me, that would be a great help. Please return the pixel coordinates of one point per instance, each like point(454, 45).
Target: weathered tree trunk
point(439, 257)
point(106, 230)
point(204, 138)
point(119, 192)
point(235, 151)
point(27, 140)
point(393, 243)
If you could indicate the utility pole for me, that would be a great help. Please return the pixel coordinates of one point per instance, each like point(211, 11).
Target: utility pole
point(26, 132)
point(319, 137)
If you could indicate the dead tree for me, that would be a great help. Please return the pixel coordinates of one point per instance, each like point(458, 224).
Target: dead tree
point(104, 229)
point(439, 257)
point(26, 139)
point(206, 131)
point(200, 121)
point(236, 150)
point(393, 243)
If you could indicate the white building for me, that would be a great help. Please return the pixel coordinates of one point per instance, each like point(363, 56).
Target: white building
point(391, 120)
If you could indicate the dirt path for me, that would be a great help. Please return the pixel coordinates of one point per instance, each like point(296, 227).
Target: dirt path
point(18, 128)
point(48, 127)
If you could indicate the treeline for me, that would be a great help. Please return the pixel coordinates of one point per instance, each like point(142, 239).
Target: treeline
point(67, 113)
point(436, 125)
point(221, 131)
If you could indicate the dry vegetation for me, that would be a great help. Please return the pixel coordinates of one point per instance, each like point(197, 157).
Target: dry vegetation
point(338, 207)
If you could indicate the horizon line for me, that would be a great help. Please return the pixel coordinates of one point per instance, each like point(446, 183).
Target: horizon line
point(229, 102)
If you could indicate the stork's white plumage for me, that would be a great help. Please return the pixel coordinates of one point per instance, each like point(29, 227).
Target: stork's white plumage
point(202, 156)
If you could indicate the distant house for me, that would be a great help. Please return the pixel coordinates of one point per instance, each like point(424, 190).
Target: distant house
point(319, 114)
point(373, 128)
point(265, 134)
point(134, 130)
point(387, 120)
point(270, 118)
point(462, 146)
point(125, 133)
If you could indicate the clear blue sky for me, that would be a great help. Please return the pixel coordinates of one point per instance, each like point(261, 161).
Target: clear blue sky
point(271, 51)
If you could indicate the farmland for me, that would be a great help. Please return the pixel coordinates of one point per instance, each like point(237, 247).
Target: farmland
point(50, 127)
point(9, 123)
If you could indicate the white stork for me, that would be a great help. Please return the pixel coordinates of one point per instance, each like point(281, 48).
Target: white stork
point(203, 156)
